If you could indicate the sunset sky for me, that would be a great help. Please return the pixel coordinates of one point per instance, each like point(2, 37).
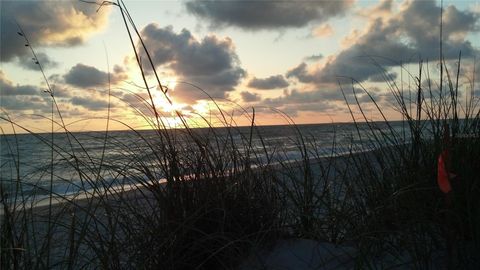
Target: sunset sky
point(291, 56)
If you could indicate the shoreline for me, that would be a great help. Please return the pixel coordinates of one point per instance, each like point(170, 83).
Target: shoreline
point(75, 198)
point(278, 166)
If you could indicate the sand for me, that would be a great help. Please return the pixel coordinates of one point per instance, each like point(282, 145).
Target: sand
point(286, 254)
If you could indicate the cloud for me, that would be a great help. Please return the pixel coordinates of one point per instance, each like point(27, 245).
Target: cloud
point(382, 9)
point(61, 90)
point(295, 102)
point(20, 97)
point(139, 101)
point(24, 103)
point(250, 97)
point(293, 110)
point(404, 37)
point(90, 103)
point(210, 63)
point(420, 22)
point(28, 62)
point(323, 30)
point(356, 61)
point(33, 99)
point(321, 100)
point(301, 73)
point(47, 23)
point(82, 75)
point(8, 89)
point(313, 57)
point(324, 98)
point(271, 82)
point(383, 77)
point(255, 15)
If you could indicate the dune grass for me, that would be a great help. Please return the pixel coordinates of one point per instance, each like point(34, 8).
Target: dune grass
point(222, 197)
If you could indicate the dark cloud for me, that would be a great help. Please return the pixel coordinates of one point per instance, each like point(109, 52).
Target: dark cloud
point(301, 73)
point(33, 99)
point(404, 37)
point(28, 62)
point(323, 106)
point(137, 101)
point(61, 91)
point(46, 23)
point(384, 6)
point(90, 103)
point(295, 97)
point(210, 63)
point(383, 77)
point(58, 85)
point(421, 22)
point(313, 57)
point(250, 97)
point(87, 76)
point(21, 97)
point(265, 14)
point(17, 90)
point(8, 89)
point(24, 103)
point(320, 100)
point(358, 61)
point(292, 102)
point(271, 82)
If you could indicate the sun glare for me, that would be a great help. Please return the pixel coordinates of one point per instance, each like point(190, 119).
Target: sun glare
point(201, 107)
point(169, 83)
point(165, 104)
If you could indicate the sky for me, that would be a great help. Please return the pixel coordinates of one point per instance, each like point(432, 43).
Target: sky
point(289, 60)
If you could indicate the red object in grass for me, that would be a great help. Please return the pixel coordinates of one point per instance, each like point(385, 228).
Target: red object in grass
point(443, 175)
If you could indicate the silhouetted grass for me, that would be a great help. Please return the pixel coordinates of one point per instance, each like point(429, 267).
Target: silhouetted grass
point(207, 198)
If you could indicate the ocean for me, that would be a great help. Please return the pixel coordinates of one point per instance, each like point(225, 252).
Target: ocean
point(82, 160)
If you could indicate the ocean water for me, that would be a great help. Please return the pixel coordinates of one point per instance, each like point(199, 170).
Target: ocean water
point(85, 159)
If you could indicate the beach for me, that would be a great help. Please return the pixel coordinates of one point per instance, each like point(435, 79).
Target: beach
point(219, 135)
point(81, 219)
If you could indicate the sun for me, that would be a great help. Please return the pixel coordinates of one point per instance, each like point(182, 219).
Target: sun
point(164, 104)
point(170, 83)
